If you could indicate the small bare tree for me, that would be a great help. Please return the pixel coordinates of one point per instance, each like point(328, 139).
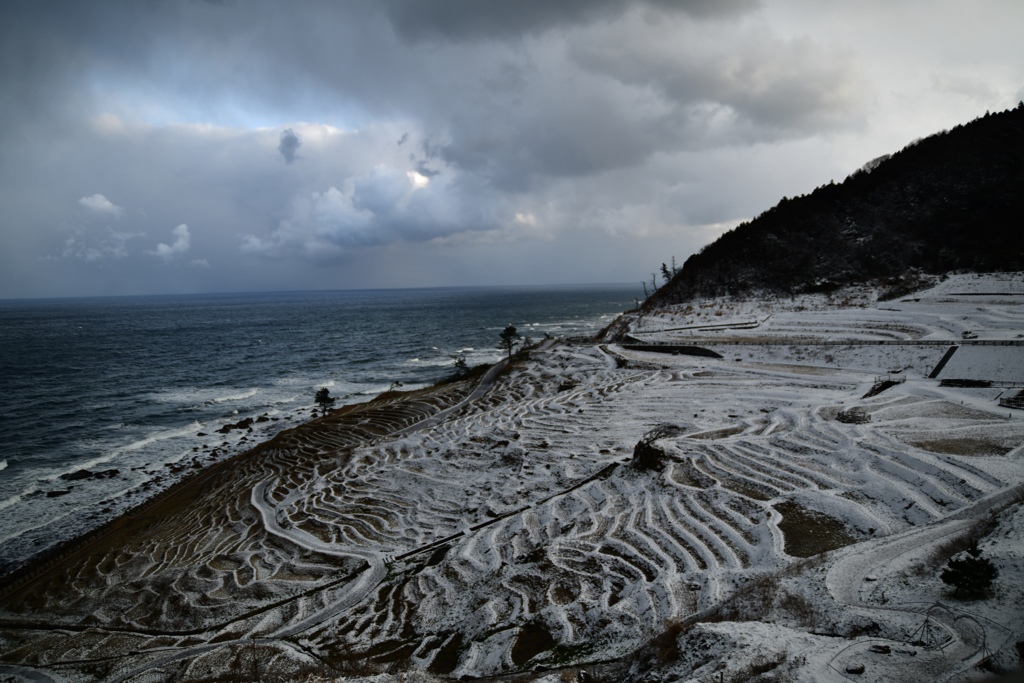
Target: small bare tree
point(647, 455)
point(461, 367)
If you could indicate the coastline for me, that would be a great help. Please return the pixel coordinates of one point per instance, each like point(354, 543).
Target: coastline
point(99, 425)
point(459, 531)
point(48, 560)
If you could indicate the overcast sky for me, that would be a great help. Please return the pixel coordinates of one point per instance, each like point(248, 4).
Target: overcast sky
point(201, 146)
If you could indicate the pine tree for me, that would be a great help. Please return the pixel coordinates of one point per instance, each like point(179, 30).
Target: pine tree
point(970, 576)
point(508, 339)
point(324, 400)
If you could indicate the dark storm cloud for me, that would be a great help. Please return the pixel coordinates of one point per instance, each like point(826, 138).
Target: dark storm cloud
point(289, 145)
point(761, 88)
point(474, 20)
point(67, 59)
point(594, 132)
point(518, 118)
point(424, 170)
point(38, 66)
point(627, 126)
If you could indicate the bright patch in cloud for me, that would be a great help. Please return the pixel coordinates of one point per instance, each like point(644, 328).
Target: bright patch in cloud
point(526, 219)
point(418, 180)
point(101, 204)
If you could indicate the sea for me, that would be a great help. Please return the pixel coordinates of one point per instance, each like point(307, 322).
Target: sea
point(104, 402)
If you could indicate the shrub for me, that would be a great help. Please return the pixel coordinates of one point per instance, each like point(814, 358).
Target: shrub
point(970, 576)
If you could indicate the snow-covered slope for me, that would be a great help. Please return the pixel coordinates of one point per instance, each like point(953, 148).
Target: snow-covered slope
point(472, 534)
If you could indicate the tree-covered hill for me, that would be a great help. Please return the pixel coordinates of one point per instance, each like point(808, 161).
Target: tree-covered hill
point(952, 201)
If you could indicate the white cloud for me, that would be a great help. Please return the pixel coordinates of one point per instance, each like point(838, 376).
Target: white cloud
point(182, 241)
point(85, 244)
point(101, 204)
point(375, 208)
point(318, 227)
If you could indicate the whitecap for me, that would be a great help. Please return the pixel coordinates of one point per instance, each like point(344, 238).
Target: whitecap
point(237, 397)
point(16, 498)
point(435, 362)
point(3, 465)
point(40, 523)
point(197, 398)
point(155, 437)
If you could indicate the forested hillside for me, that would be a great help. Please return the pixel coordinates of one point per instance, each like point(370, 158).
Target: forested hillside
point(952, 201)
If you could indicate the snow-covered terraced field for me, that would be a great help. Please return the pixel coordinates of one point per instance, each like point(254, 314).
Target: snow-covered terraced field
point(476, 533)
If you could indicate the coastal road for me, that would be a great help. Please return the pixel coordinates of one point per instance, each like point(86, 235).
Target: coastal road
point(486, 382)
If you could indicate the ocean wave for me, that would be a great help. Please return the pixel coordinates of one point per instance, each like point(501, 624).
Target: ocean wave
point(196, 397)
point(483, 357)
point(298, 380)
point(115, 452)
point(237, 397)
point(3, 465)
point(297, 391)
point(17, 497)
point(438, 362)
point(313, 382)
point(42, 523)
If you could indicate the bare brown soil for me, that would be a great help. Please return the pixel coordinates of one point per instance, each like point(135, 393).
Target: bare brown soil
point(969, 446)
point(809, 532)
